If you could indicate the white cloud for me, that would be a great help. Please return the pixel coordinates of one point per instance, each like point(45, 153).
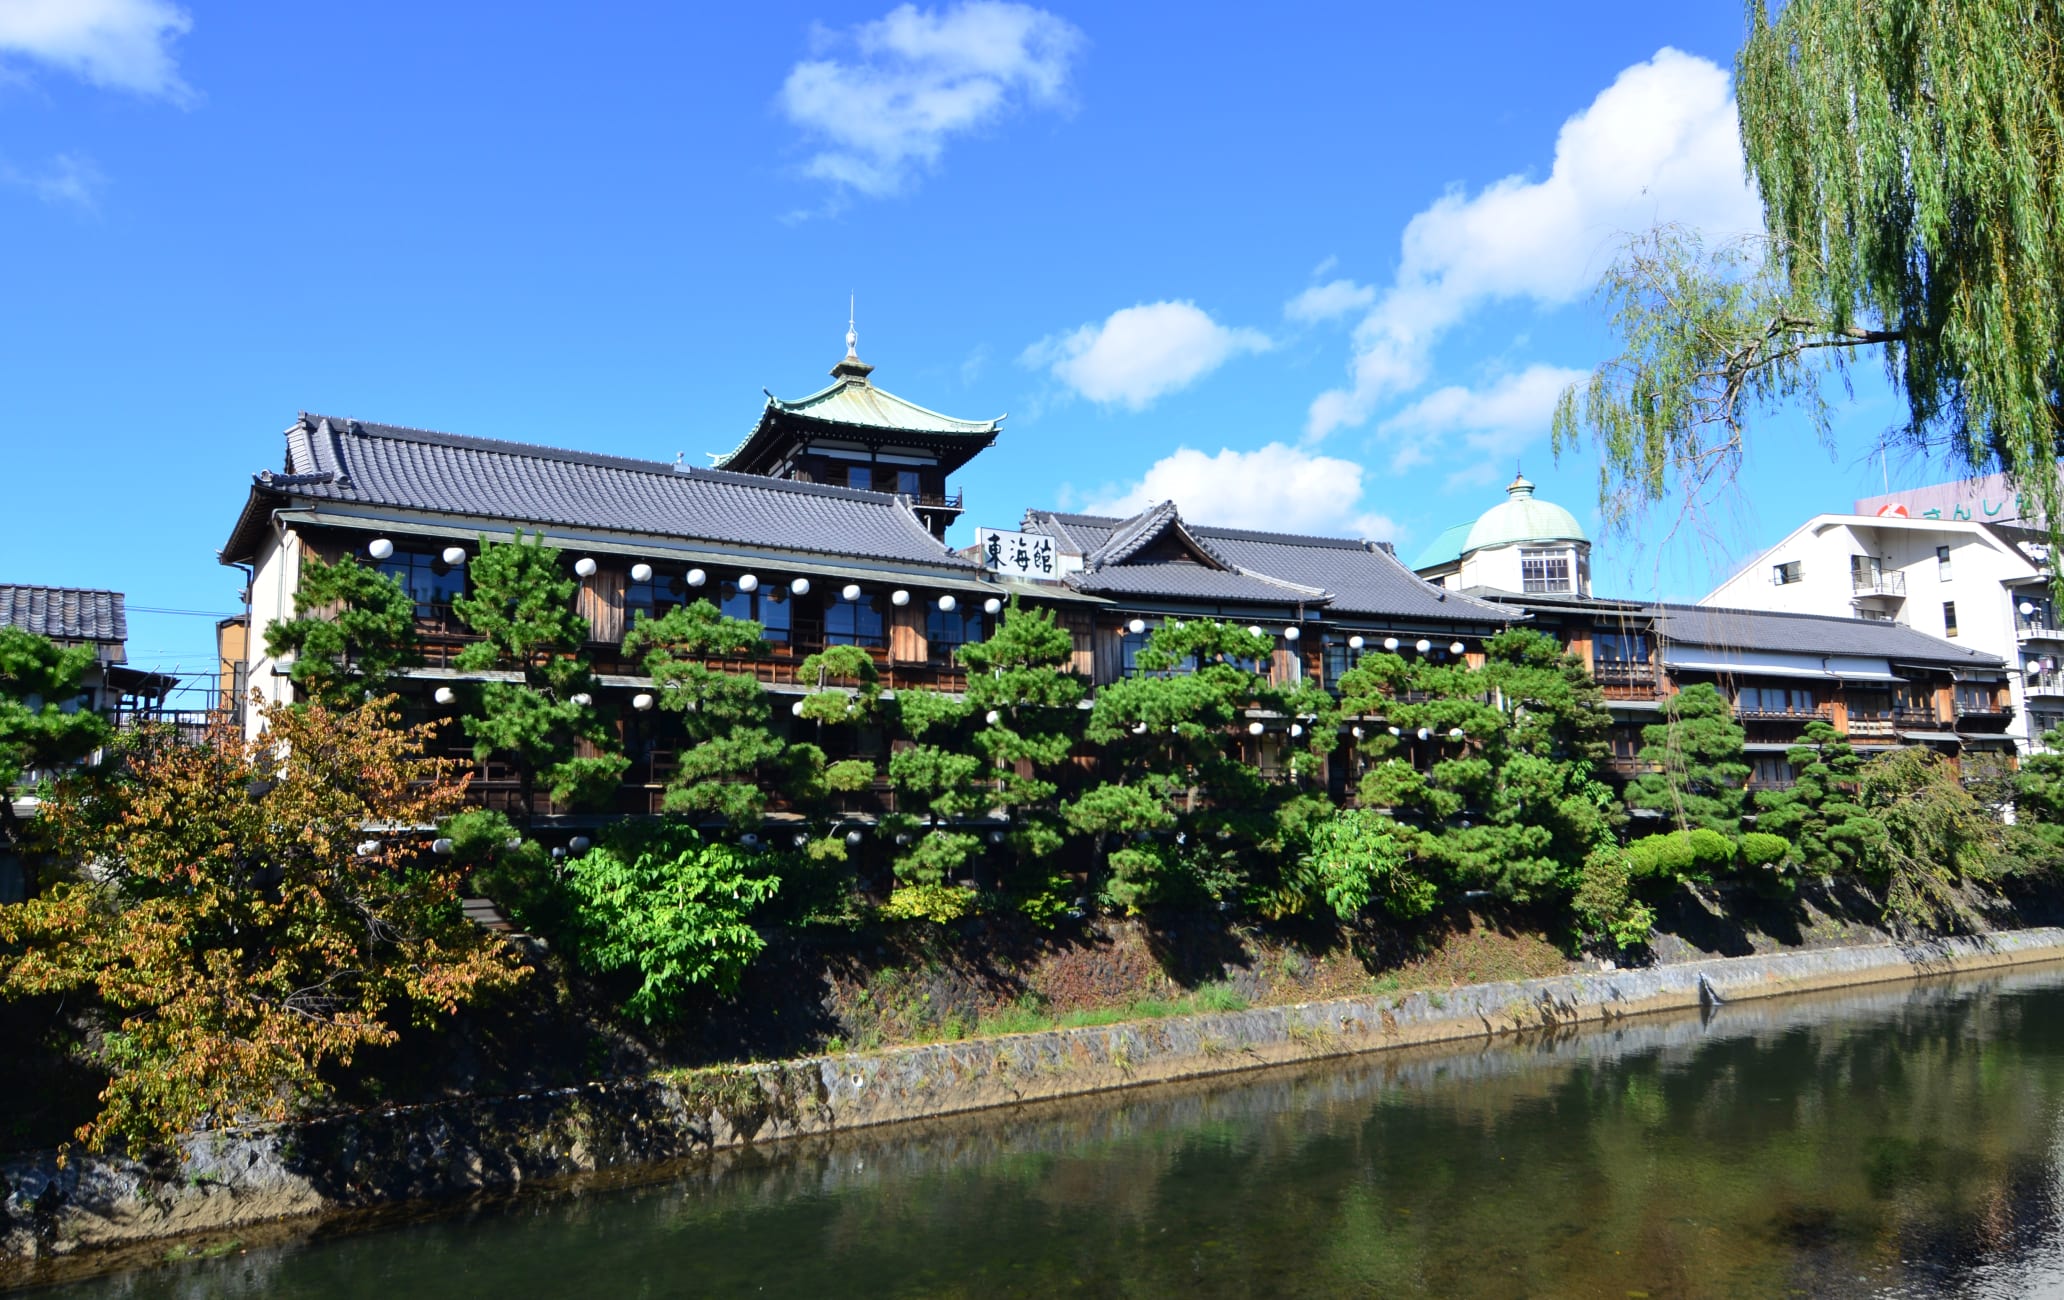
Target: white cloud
point(1476, 432)
point(1141, 353)
point(899, 87)
point(1281, 488)
point(69, 179)
point(1330, 301)
point(1658, 145)
point(116, 44)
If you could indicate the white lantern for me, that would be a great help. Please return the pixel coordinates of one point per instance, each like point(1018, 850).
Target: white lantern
point(1358, 733)
point(579, 844)
point(1137, 626)
point(1139, 729)
point(1423, 646)
point(1390, 643)
point(380, 548)
point(441, 847)
point(454, 555)
point(1296, 730)
point(853, 838)
point(796, 708)
point(1395, 732)
point(641, 572)
point(367, 848)
point(445, 695)
point(584, 566)
point(1085, 705)
point(2026, 609)
point(1356, 642)
point(1255, 728)
point(583, 699)
point(992, 717)
point(801, 586)
point(992, 606)
point(851, 591)
point(696, 577)
point(1456, 647)
point(1455, 733)
point(1253, 631)
point(1292, 633)
point(948, 603)
point(747, 582)
point(899, 598)
point(642, 701)
point(1425, 734)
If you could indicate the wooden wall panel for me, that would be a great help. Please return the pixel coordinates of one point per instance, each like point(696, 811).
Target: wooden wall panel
point(907, 644)
point(1108, 647)
point(1283, 664)
point(601, 602)
point(1081, 629)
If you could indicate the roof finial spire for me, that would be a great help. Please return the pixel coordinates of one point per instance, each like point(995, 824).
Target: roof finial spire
point(852, 334)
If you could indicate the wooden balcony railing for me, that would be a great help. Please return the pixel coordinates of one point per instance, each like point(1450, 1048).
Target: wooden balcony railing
point(1819, 712)
point(1910, 719)
point(1626, 680)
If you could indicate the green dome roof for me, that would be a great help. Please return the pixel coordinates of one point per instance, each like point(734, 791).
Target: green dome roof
point(1523, 519)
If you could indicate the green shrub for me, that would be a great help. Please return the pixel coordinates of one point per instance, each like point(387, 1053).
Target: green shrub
point(661, 901)
point(938, 904)
point(1760, 849)
point(1604, 901)
point(1355, 860)
point(1681, 855)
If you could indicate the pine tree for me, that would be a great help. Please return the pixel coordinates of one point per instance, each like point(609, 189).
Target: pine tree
point(38, 731)
point(1508, 798)
point(1820, 814)
point(521, 604)
point(730, 751)
point(1702, 774)
point(356, 651)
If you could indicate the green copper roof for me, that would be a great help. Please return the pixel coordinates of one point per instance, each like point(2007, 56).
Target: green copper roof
point(1445, 549)
point(853, 400)
point(1522, 519)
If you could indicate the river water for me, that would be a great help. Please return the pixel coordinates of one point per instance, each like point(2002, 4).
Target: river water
point(1903, 1140)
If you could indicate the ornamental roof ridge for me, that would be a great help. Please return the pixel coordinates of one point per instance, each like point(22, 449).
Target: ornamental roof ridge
point(806, 406)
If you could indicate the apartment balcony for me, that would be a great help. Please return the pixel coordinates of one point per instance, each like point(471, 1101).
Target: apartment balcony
point(2037, 629)
point(2044, 685)
point(1623, 680)
point(1891, 583)
point(1983, 717)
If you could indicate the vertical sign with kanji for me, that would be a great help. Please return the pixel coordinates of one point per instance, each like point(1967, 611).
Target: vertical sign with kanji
point(1018, 555)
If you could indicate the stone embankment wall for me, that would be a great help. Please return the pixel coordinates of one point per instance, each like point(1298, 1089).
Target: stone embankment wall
point(224, 1180)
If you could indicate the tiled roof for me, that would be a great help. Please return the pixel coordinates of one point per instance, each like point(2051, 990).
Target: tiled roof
point(1816, 634)
point(331, 459)
point(858, 402)
point(65, 613)
point(1189, 582)
point(1354, 577)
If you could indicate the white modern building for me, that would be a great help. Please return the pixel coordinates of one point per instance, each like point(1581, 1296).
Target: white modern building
point(1984, 586)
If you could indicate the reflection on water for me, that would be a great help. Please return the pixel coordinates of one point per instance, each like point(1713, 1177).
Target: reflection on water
point(1901, 1141)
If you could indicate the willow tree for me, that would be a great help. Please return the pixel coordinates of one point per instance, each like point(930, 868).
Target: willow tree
point(1908, 156)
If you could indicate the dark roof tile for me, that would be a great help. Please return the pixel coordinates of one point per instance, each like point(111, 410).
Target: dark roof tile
point(65, 613)
point(1817, 634)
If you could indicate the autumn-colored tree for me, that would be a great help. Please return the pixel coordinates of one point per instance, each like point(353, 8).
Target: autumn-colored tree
point(353, 632)
point(521, 604)
point(40, 725)
point(240, 924)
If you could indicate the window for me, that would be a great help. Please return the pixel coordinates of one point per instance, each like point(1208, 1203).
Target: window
point(946, 631)
point(1783, 575)
point(1769, 770)
point(907, 482)
point(860, 476)
point(428, 580)
point(1129, 648)
point(1977, 697)
point(1949, 618)
point(1340, 658)
point(767, 606)
point(856, 622)
point(658, 596)
point(1621, 648)
point(1544, 570)
point(1942, 563)
point(1871, 705)
point(1626, 745)
point(1774, 699)
point(1913, 697)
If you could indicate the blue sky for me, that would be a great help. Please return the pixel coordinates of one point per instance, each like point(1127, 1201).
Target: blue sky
point(1312, 267)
